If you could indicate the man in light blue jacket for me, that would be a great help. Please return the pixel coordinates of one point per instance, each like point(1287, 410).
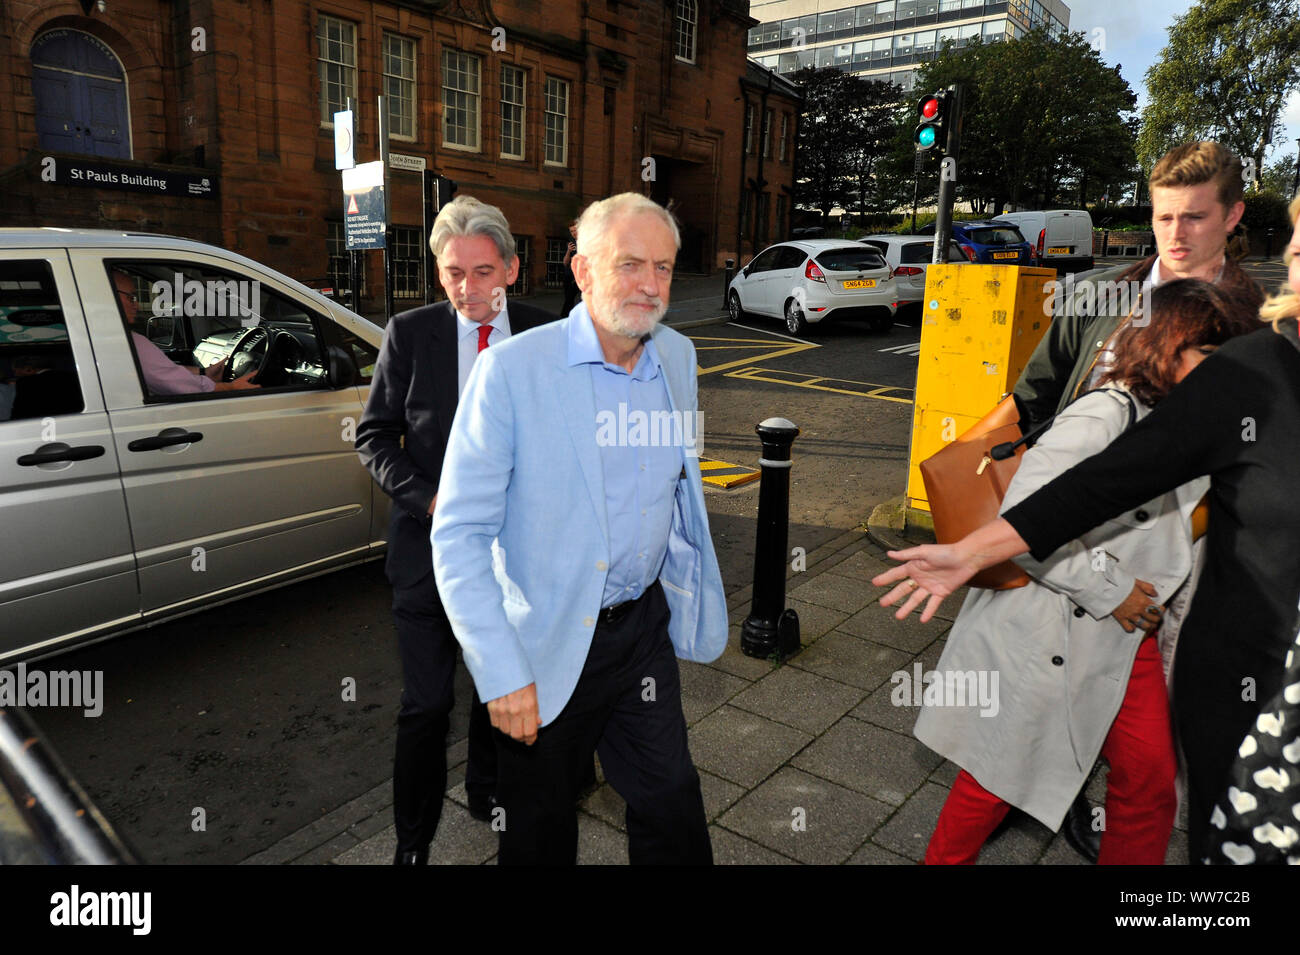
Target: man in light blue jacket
point(572, 550)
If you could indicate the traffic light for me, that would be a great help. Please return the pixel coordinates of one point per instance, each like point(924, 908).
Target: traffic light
point(932, 130)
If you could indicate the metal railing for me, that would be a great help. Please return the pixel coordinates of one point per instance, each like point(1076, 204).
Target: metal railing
point(45, 817)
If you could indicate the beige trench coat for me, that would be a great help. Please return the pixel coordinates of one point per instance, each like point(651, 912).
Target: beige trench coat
point(1062, 661)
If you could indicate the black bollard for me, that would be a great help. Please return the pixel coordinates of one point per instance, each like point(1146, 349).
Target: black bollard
point(728, 274)
point(1268, 252)
point(770, 629)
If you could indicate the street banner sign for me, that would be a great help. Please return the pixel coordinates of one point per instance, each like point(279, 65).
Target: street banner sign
point(363, 206)
point(343, 140)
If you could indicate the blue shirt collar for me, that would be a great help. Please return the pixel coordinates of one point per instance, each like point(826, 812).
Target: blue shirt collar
point(584, 347)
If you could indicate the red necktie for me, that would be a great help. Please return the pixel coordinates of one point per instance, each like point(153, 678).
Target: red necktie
point(484, 331)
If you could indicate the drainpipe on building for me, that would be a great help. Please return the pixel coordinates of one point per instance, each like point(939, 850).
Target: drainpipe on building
point(740, 236)
point(763, 139)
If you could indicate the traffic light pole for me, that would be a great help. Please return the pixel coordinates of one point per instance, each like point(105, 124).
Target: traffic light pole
point(948, 176)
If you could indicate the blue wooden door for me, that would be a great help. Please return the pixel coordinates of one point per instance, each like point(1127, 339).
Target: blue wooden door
point(80, 95)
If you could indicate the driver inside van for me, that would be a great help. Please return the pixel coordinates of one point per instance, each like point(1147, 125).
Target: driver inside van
point(162, 376)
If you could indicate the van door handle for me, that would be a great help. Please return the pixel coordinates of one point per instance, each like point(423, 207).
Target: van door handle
point(57, 453)
point(165, 440)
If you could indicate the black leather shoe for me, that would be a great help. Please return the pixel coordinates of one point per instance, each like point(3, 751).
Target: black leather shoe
point(1078, 831)
point(411, 857)
point(481, 807)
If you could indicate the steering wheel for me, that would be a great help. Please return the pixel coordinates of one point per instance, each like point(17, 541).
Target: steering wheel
point(243, 359)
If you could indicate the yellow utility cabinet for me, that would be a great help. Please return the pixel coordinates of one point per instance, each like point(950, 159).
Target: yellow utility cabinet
point(979, 325)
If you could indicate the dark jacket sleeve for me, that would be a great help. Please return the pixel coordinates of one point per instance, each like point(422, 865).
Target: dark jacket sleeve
point(1198, 429)
point(383, 426)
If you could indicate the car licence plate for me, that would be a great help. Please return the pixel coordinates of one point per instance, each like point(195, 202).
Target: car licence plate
point(1006, 255)
point(860, 283)
point(1059, 250)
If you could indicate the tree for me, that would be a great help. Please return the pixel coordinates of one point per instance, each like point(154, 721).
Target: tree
point(1224, 75)
point(1043, 121)
point(846, 124)
point(1279, 178)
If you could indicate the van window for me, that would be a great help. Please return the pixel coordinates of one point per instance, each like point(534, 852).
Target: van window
point(38, 375)
point(186, 317)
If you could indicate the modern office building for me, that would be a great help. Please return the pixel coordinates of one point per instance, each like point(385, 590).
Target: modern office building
point(886, 40)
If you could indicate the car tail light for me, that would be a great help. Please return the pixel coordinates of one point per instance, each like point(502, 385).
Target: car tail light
point(970, 252)
point(811, 271)
point(906, 270)
point(1042, 234)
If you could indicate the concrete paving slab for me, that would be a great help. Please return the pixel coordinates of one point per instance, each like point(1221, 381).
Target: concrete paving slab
point(908, 831)
point(872, 854)
point(737, 664)
point(848, 659)
point(798, 698)
point(731, 849)
point(327, 852)
point(599, 844)
point(805, 817)
point(814, 621)
point(879, 763)
point(877, 623)
point(705, 688)
point(879, 708)
point(834, 592)
point(742, 747)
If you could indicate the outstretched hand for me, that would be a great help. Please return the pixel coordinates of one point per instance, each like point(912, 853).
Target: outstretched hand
point(929, 573)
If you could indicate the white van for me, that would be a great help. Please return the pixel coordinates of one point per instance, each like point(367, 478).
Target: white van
point(1062, 238)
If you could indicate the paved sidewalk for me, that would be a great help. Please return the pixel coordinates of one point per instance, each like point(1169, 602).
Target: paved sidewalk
point(814, 741)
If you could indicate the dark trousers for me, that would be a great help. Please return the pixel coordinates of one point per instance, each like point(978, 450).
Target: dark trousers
point(627, 707)
point(428, 650)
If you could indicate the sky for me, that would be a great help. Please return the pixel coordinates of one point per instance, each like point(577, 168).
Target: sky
point(1135, 33)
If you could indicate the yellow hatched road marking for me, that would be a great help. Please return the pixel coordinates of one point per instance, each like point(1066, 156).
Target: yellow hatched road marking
point(800, 380)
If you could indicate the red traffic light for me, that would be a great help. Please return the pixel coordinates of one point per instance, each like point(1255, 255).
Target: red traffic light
point(930, 107)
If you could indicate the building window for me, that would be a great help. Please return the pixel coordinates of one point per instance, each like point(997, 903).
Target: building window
point(336, 42)
point(557, 122)
point(399, 85)
point(767, 134)
point(785, 131)
point(512, 112)
point(336, 249)
point(555, 249)
point(408, 257)
point(781, 231)
point(523, 249)
point(688, 15)
point(746, 204)
point(460, 95)
point(749, 129)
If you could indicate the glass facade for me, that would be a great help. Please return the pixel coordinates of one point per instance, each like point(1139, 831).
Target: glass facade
point(886, 39)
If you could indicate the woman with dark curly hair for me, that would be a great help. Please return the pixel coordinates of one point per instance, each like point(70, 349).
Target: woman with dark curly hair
point(1080, 673)
point(1236, 418)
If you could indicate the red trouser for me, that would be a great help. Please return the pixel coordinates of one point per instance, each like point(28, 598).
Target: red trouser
point(1140, 800)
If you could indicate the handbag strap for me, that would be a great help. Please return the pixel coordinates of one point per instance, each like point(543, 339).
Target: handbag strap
point(1000, 452)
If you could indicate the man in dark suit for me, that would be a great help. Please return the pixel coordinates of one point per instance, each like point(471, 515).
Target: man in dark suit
point(422, 369)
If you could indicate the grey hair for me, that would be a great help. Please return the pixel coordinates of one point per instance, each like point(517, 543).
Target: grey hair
point(595, 219)
point(467, 216)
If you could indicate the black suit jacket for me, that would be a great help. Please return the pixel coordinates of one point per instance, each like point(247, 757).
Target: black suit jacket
point(403, 433)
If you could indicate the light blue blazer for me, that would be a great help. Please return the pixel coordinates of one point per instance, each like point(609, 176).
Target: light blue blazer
point(520, 538)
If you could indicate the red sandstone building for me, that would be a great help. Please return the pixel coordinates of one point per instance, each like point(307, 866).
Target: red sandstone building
point(213, 119)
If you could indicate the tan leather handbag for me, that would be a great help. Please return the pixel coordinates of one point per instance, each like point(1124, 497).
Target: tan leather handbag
point(965, 484)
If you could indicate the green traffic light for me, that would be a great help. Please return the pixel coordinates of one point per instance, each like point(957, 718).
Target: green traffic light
point(926, 136)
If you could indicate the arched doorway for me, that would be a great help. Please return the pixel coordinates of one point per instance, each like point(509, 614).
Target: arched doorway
point(80, 91)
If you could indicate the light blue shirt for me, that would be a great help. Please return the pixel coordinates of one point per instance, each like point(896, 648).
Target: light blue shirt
point(467, 343)
point(641, 458)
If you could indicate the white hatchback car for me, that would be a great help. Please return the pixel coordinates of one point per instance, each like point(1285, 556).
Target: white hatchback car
point(908, 256)
point(808, 281)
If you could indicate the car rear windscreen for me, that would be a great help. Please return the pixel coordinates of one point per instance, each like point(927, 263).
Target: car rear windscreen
point(917, 252)
point(996, 235)
point(850, 259)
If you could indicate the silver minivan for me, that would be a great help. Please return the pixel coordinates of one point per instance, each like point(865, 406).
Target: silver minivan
point(123, 506)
